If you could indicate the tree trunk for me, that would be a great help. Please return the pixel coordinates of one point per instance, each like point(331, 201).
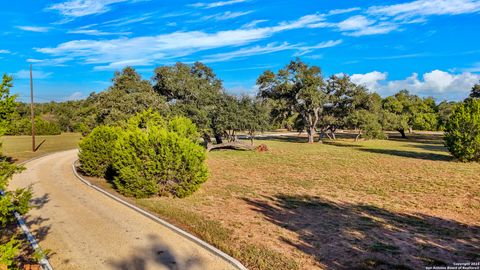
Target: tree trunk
point(311, 133)
point(410, 130)
point(358, 135)
point(218, 138)
point(206, 140)
point(320, 137)
point(402, 132)
point(333, 133)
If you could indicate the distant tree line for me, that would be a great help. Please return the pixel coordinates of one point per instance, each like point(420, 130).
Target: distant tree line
point(296, 97)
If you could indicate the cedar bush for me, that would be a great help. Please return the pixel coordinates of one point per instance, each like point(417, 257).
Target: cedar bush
point(96, 151)
point(462, 131)
point(42, 127)
point(16, 200)
point(159, 160)
point(8, 252)
point(184, 127)
point(145, 119)
point(373, 130)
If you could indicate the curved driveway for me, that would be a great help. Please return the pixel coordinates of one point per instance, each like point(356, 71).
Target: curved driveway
point(84, 229)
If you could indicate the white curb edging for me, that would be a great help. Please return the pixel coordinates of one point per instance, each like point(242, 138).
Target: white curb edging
point(181, 232)
point(33, 242)
point(43, 261)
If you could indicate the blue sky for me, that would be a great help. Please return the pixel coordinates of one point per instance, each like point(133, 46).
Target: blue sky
point(430, 47)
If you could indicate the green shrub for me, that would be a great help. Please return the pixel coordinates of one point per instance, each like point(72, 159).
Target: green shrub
point(184, 127)
point(44, 127)
point(18, 201)
point(157, 161)
point(373, 130)
point(145, 119)
point(462, 131)
point(368, 124)
point(23, 126)
point(96, 151)
point(8, 252)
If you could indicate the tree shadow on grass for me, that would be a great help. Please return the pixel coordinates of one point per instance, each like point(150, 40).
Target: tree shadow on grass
point(409, 154)
point(430, 147)
point(401, 153)
point(155, 256)
point(39, 145)
point(291, 139)
point(342, 144)
point(358, 236)
point(418, 137)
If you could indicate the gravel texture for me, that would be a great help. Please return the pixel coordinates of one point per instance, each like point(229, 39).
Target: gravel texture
point(84, 229)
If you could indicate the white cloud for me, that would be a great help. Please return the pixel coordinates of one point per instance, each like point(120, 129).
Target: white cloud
point(388, 18)
point(342, 11)
point(437, 83)
point(94, 32)
point(38, 29)
point(37, 74)
point(114, 52)
point(427, 8)
point(56, 62)
point(124, 63)
point(75, 96)
point(360, 25)
point(244, 52)
point(308, 49)
point(217, 4)
point(80, 8)
point(269, 48)
point(31, 60)
point(370, 80)
point(128, 20)
point(226, 15)
point(4, 51)
point(355, 23)
point(253, 24)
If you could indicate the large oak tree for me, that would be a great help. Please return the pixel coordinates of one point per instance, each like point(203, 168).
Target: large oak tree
point(298, 88)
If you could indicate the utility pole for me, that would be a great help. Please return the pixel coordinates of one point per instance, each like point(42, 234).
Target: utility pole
point(31, 109)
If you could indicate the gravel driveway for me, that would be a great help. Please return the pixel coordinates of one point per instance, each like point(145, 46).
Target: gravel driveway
point(87, 230)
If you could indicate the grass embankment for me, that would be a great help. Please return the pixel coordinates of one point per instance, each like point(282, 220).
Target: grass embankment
point(20, 147)
point(396, 204)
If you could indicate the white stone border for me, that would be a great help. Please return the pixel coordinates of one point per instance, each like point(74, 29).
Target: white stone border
point(175, 229)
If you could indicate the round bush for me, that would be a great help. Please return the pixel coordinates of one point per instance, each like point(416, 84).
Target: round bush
point(157, 161)
point(96, 151)
point(462, 131)
point(374, 130)
point(23, 126)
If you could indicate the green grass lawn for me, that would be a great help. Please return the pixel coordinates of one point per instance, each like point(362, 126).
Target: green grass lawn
point(20, 147)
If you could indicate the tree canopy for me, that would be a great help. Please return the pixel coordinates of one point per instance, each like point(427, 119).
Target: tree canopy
point(299, 89)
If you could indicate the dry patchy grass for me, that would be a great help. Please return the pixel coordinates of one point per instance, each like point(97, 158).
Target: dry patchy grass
point(396, 204)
